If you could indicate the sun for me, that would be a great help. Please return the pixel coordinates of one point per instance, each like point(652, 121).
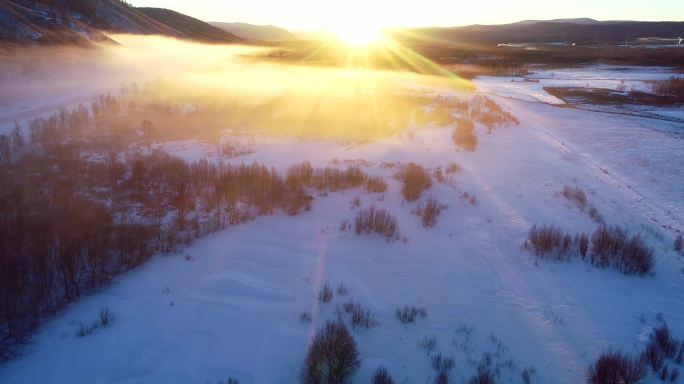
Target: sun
point(359, 35)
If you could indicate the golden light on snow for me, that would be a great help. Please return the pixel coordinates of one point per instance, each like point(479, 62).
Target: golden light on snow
point(239, 88)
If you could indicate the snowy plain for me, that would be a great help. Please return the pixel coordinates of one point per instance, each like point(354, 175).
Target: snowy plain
point(232, 310)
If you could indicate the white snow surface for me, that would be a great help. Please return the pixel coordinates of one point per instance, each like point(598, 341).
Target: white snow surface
point(232, 311)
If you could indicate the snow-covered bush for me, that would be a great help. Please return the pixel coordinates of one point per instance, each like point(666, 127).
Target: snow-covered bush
point(381, 376)
point(615, 367)
point(332, 357)
point(416, 179)
point(376, 220)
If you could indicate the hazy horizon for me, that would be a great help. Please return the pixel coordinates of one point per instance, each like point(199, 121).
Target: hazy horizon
point(311, 15)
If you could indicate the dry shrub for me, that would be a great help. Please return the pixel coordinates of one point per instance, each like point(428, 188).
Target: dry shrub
point(332, 357)
point(612, 247)
point(375, 184)
point(360, 316)
point(325, 294)
point(582, 241)
point(453, 168)
point(672, 87)
point(334, 179)
point(428, 210)
point(416, 179)
point(613, 367)
point(547, 241)
point(305, 317)
point(483, 376)
point(665, 342)
point(408, 314)
point(382, 376)
point(575, 195)
point(376, 220)
point(464, 135)
point(679, 243)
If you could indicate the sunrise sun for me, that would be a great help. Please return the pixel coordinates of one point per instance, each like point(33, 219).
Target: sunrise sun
point(360, 35)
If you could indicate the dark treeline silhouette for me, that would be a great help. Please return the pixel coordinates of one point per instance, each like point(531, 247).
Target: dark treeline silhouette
point(79, 205)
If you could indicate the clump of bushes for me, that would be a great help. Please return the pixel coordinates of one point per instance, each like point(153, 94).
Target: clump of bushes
point(408, 314)
point(382, 376)
point(376, 220)
point(483, 376)
point(679, 243)
point(325, 294)
point(486, 374)
point(305, 317)
point(464, 135)
point(548, 241)
point(610, 247)
point(360, 316)
point(453, 168)
point(575, 195)
point(375, 184)
point(416, 179)
point(332, 357)
point(615, 367)
point(342, 290)
point(442, 363)
point(672, 87)
point(104, 319)
point(428, 210)
point(428, 343)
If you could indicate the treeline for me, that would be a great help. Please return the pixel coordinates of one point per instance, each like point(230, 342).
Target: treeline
point(77, 208)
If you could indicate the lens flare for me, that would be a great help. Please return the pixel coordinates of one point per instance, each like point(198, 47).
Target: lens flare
point(359, 35)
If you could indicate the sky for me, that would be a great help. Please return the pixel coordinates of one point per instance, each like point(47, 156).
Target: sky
point(332, 14)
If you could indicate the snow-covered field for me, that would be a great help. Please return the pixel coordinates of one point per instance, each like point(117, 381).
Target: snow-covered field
point(233, 309)
point(615, 78)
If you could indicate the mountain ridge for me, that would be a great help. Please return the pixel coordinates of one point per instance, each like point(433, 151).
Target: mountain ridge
point(86, 21)
point(256, 32)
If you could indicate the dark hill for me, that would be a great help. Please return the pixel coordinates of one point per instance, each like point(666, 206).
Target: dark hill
point(189, 26)
point(579, 31)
